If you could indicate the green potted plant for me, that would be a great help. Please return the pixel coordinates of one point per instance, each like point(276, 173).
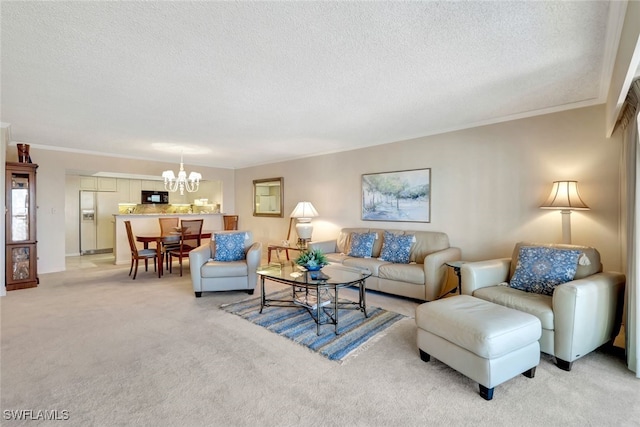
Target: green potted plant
point(312, 260)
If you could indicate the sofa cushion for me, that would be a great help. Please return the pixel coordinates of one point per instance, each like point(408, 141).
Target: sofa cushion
point(410, 273)
point(371, 264)
point(361, 244)
point(336, 257)
point(427, 242)
point(396, 248)
point(224, 269)
point(229, 246)
point(539, 305)
point(587, 266)
point(540, 270)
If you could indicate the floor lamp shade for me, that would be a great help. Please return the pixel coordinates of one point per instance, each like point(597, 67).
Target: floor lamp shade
point(303, 213)
point(564, 196)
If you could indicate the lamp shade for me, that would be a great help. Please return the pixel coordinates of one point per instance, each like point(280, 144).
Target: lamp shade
point(304, 210)
point(564, 195)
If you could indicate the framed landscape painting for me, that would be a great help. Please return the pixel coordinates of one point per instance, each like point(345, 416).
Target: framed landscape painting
point(397, 196)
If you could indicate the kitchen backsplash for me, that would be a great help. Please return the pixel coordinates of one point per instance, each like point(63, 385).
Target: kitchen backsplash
point(125, 208)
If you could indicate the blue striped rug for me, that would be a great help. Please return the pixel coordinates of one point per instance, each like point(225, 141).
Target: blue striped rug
point(297, 325)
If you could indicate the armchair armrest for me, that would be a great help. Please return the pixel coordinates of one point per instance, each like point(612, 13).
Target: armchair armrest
point(197, 258)
point(435, 270)
point(587, 313)
point(254, 256)
point(480, 274)
point(326, 246)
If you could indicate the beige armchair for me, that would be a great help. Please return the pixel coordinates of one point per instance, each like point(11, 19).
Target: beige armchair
point(209, 274)
point(581, 314)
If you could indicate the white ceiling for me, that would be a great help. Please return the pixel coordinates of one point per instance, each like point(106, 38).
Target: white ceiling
point(234, 84)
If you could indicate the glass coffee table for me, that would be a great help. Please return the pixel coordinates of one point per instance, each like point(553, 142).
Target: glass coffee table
point(316, 291)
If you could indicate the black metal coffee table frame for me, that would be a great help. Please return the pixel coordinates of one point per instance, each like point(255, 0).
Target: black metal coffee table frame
point(313, 290)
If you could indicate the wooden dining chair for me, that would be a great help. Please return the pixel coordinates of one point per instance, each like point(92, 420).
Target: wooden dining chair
point(190, 238)
point(138, 254)
point(230, 222)
point(168, 226)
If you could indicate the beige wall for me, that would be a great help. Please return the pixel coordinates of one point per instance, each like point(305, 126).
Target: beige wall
point(487, 185)
point(51, 195)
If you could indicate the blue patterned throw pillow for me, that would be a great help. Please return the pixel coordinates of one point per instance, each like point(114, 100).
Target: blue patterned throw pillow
point(396, 248)
point(540, 270)
point(229, 246)
point(362, 244)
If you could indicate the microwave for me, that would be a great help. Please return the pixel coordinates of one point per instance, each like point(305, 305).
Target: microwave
point(158, 197)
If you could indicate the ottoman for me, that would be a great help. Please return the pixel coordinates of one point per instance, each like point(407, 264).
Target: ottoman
point(487, 342)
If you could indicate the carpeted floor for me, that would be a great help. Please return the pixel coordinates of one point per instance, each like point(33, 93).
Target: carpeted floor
point(117, 352)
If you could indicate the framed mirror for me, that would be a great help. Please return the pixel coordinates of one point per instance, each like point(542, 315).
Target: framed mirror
point(268, 198)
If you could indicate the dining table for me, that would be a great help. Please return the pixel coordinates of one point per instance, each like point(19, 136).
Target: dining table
point(159, 239)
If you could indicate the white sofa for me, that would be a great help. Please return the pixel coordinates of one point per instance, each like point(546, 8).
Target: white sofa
point(208, 275)
point(423, 278)
point(580, 315)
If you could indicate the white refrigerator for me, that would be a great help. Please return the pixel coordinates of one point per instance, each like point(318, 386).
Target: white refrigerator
point(96, 221)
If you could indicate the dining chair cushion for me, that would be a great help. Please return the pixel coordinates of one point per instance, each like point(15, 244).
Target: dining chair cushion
point(147, 252)
point(229, 246)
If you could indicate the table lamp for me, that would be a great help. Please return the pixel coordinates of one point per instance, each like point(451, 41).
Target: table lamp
point(303, 213)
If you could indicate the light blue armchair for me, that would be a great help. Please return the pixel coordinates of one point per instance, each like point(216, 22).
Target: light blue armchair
point(208, 275)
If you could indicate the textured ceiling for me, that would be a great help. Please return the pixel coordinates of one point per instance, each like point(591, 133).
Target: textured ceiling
point(234, 84)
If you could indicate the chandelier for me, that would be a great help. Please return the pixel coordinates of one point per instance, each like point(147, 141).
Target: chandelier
point(173, 184)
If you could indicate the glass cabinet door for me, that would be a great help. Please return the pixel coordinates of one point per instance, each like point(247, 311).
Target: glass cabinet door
point(21, 263)
point(19, 207)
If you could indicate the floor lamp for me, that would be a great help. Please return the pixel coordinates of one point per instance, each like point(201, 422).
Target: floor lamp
point(565, 197)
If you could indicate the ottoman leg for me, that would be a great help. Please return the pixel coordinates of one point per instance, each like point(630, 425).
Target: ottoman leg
point(486, 393)
point(424, 356)
point(530, 373)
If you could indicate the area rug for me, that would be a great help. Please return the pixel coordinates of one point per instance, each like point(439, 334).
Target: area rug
point(297, 324)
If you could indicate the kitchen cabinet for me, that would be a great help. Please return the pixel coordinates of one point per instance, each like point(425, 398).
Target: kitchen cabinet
point(107, 184)
point(206, 190)
point(21, 268)
point(123, 190)
point(153, 185)
point(94, 183)
point(135, 188)
point(129, 190)
point(88, 183)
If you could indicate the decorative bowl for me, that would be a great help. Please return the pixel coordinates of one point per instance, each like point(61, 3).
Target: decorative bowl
point(316, 267)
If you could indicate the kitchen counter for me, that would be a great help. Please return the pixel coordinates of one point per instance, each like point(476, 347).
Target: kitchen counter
point(149, 224)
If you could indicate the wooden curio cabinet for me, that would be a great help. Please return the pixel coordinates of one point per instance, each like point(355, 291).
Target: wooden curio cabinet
point(20, 222)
